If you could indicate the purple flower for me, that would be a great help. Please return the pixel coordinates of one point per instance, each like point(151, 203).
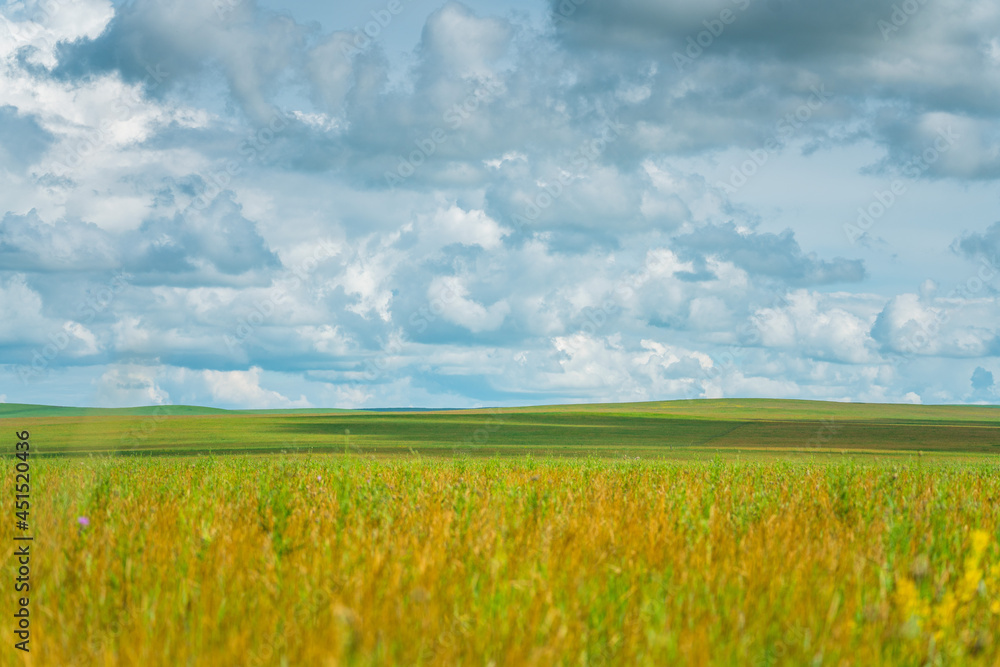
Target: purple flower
point(83, 521)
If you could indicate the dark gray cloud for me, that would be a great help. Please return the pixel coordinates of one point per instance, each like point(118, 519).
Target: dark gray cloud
point(171, 45)
point(897, 73)
point(209, 246)
point(513, 211)
point(216, 238)
point(982, 245)
point(29, 244)
point(789, 28)
point(776, 256)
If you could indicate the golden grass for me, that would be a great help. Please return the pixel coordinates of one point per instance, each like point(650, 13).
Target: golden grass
point(260, 561)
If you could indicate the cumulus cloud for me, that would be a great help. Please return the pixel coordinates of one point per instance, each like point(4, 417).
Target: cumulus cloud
point(733, 68)
point(247, 205)
point(817, 326)
point(468, 227)
point(128, 386)
point(242, 388)
point(939, 326)
point(23, 319)
point(457, 41)
point(27, 243)
point(772, 255)
point(459, 309)
point(217, 239)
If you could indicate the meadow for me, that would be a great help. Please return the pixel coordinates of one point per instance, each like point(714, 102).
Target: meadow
point(668, 429)
point(669, 549)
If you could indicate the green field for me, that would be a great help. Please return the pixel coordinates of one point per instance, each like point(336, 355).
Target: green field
point(354, 560)
point(668, 429)
point(730, 532)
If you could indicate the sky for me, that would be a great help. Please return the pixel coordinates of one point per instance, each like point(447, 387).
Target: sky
point(455, 204)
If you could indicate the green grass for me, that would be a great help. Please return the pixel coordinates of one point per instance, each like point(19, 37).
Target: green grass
point(668, 429)
point(335, 560)
point(750, 532)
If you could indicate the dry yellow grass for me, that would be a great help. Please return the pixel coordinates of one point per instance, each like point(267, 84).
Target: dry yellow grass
point(260, 561)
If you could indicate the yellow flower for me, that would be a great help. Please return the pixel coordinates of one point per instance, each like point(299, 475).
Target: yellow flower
point(944, 613)
point(980, 540)
point(908, 600)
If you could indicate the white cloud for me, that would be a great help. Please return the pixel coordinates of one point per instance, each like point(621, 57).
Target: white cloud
point(640, 277)
point(464, 43)
point(451, 297)
point(453, 225)
point(129, 386)
point(22, 308)
point(911, 326)
point(242, 389)
point(50, 23)
point(814, 324)
point(326, 339)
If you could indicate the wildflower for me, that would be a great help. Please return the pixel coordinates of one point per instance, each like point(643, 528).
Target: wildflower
point(973, 575)
point(909, 601)
point(83, 521)
point(980, 540)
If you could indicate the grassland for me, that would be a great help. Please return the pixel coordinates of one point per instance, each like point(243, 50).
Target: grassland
point(722, 532)
point(332, 560)
point(674, 429)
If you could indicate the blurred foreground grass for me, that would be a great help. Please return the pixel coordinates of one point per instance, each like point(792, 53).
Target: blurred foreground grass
point(330, 560)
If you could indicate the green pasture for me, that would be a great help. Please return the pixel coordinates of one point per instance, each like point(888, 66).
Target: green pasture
point(666, 429)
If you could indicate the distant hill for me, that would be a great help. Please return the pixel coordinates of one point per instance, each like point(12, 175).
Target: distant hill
point(13, 410)
point(707, 408)
point(689, 428)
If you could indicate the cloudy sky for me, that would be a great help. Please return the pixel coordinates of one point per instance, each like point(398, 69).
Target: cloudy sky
point(425, 203)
